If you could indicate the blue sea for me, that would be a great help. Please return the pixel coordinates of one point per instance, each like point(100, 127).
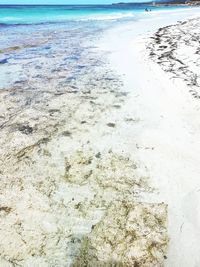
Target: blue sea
point(38, 41)
point(46, 14)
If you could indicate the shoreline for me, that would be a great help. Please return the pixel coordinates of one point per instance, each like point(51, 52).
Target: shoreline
point(65, 177)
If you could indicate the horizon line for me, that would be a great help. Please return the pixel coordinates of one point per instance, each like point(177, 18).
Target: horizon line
point(120, 3)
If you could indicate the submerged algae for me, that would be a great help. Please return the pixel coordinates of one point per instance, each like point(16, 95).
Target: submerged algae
point(129, 234)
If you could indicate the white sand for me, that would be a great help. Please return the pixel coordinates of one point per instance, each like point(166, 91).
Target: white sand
point(166, 137)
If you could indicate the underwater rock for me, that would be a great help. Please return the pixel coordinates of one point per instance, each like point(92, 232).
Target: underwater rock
point(25, 129)
point(111, 124)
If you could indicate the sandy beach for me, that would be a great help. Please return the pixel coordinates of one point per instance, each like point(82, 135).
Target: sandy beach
point(103, 169)
point(166, 136)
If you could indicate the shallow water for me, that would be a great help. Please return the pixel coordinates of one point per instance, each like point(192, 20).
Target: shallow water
point(46, 44)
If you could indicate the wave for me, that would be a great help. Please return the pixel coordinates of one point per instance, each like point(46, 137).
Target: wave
point(107, 17)
point(5, 25)
point(10, 18)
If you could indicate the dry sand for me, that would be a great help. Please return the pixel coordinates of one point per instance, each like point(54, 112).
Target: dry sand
point(166, 137)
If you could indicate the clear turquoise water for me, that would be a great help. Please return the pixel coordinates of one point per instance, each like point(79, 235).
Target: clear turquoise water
point(38, 14)
point(44, 14)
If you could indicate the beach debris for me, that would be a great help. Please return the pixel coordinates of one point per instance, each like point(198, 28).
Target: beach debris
point(166, 48)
